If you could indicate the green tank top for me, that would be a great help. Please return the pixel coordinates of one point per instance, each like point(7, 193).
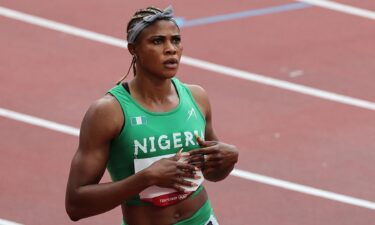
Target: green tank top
point(149, 134)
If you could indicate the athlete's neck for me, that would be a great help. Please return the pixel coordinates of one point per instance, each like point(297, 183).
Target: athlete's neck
point(153, 90)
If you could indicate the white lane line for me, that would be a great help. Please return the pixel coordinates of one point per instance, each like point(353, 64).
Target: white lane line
point(341, 8)
point(201, 64)
point(50, 24)
point(279, 83)
point(303, 189)
point(7, 222)
point(236, 172)
point(38, 122)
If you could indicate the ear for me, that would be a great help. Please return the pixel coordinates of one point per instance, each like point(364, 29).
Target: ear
point(131, 49)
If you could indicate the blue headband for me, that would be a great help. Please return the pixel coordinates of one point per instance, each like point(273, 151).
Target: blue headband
point(147, 20)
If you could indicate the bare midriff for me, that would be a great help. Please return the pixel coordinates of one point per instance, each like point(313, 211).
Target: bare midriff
point(167, 215)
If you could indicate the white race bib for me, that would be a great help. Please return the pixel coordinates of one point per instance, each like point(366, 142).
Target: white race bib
point(161, 196)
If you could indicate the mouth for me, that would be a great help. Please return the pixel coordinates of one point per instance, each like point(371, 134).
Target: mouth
point(171, 63)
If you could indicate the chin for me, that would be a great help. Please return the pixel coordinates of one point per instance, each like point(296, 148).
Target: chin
point(169, 74)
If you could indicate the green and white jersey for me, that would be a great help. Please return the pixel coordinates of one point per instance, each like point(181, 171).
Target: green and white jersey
point(147, 136)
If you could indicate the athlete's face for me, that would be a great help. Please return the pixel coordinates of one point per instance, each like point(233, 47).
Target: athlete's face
point(158, 49)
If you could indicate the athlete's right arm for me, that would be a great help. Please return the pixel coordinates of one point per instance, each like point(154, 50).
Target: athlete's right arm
point(84, 195)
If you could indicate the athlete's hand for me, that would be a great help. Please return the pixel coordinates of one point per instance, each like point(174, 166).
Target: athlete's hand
point(171, 173)
point(216, 159)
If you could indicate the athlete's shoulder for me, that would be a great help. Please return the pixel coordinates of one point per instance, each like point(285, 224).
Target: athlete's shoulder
point(201, 97)
point(197, 91)
point(106, 104)
point(105, 114)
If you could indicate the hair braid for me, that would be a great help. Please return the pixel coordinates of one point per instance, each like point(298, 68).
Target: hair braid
point(140, 14)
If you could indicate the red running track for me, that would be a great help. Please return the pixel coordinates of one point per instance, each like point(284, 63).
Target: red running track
point(281, 134)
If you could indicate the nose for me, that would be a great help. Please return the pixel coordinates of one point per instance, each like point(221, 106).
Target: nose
point(170, 48)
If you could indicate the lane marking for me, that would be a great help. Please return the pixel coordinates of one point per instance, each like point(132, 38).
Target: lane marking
point(341, 8)
point(278, 83)
point(303, 189)
point(39, 122)
point(197, 63)
point(243, 14)
point(61, 27)
point(7, 222)
point(236, 172)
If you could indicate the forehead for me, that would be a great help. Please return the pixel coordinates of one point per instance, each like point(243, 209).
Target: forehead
point(160, 28)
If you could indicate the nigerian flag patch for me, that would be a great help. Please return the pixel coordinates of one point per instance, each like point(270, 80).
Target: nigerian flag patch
point(138, 120)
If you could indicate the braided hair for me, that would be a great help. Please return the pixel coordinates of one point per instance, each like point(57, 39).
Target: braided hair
point(138, 16)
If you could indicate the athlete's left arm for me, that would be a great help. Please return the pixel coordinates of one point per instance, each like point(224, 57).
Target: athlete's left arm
point(217, 159)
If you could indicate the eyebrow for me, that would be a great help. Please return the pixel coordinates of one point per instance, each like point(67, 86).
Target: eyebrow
point(163, 36)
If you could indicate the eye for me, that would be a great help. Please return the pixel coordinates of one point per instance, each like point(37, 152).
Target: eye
point(176, 40)
point(157, 41)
